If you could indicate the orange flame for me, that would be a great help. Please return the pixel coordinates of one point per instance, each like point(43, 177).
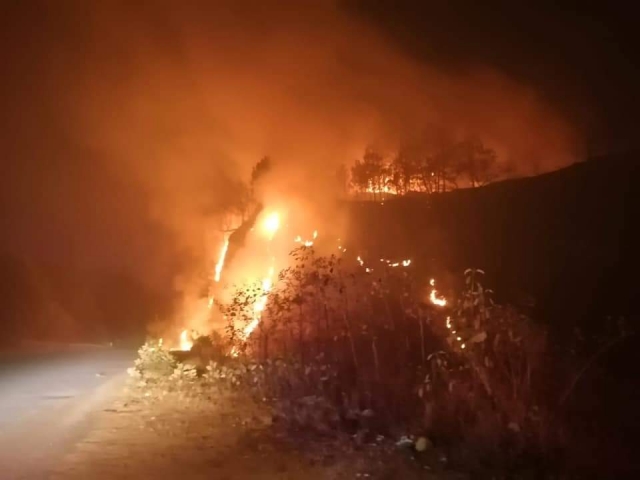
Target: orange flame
point(220, 264)
point(185, 341)
point(306, 243)
point(271, 224)
point(439, 301)
point(260, 305)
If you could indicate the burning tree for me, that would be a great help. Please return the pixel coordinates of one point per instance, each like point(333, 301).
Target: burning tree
point(370, 175)
point(425, 168)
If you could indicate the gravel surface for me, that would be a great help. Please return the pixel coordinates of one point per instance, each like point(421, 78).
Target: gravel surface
point(225, 436)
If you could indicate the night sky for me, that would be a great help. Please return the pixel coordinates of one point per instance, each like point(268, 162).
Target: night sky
point(582, 57)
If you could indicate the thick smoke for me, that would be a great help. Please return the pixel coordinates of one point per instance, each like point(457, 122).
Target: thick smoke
point(178, 100)
point(189, 97)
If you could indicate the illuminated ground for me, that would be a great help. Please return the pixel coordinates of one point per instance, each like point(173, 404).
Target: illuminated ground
point(70, 415)
point(227, 436)
point(48, 398)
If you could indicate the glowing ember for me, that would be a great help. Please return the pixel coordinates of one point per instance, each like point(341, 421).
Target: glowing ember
point(307, 243)
point(439, 301)
point(404, 263)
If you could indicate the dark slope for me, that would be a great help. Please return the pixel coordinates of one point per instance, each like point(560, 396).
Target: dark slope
point(564, 239)
point(568, 239)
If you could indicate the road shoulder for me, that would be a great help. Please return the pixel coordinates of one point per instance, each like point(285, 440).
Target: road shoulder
point(224, 435)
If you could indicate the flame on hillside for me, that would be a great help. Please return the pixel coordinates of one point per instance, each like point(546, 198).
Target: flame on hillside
point(259, 306)
point(433, 296)
point(267, 234)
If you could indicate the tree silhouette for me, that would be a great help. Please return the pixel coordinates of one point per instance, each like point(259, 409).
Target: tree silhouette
point(370, 173)
point(477, 162)
point(434, 167)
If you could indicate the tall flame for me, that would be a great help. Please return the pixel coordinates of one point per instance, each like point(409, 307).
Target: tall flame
point(185, 341)
point(259, 306)
point(270, 224)
point(220, 264)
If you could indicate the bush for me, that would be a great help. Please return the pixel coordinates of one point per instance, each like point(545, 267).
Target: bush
point(339, 347)
point(470, 374)
point(154, 363)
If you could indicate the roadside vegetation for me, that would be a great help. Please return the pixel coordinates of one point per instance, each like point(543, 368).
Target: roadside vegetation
point(469, 385)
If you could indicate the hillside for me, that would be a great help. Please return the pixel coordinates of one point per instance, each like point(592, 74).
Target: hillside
point(563, 241)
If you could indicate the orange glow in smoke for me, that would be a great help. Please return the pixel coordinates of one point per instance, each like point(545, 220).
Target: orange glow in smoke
point(271, 224)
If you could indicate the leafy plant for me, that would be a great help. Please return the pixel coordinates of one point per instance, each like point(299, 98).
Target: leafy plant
point(154, 363)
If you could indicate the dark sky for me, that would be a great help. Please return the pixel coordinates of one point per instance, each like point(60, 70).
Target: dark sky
point(582, 55)
point(119, 119)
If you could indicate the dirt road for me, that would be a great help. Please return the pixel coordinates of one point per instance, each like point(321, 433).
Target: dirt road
point(226, 436)
point(47, 402)
point(73, 416)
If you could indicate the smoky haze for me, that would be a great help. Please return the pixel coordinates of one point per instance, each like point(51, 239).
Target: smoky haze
point(129, 127)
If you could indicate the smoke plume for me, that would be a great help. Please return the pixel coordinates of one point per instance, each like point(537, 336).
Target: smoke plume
point(164, 107)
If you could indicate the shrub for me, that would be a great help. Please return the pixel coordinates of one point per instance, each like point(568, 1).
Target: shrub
point(154, 363)
point(339, 347)
point(467, 374)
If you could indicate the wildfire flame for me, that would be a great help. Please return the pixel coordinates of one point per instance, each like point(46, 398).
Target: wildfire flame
point(271, 224)
point(220, 264)
point(306, 243)
point(259, 306)
point(439, 301)
point(404, 263)
point(185, 341)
